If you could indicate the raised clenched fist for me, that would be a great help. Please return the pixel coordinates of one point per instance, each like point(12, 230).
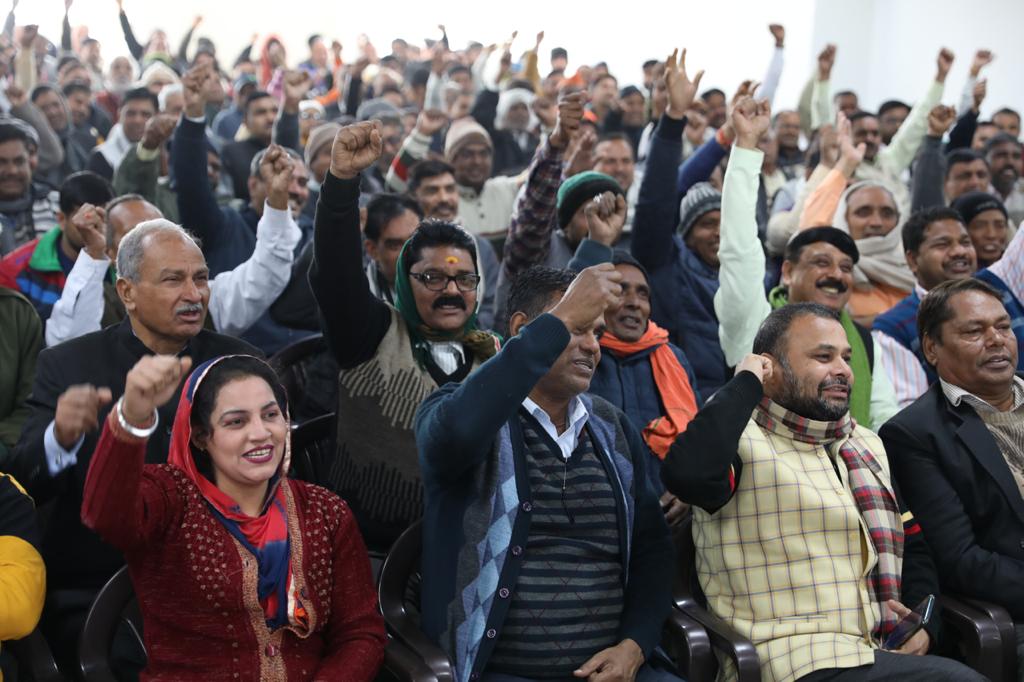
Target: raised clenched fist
point(594, 290)
point(356, 147)
point(567, 123)
point(78, 412)
point(151, 382)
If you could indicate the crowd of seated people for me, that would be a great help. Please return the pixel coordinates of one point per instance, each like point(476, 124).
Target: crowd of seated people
point(557, 321)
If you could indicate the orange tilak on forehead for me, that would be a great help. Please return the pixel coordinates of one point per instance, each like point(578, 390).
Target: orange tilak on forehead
point(452, 260)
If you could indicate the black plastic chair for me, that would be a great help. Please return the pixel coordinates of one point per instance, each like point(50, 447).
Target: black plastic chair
point(291, 363)
point(723, 637)
point(313, 446)
point(985, 634)
point(34, 658)
point(114, 604)
point(398, 593)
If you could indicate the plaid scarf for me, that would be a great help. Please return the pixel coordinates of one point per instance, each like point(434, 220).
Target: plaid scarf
point(874, 498)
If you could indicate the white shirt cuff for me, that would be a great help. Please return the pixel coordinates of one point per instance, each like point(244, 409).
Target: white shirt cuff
point(57, 458)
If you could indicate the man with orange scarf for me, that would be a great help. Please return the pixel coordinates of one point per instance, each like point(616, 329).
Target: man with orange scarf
point(640, 372)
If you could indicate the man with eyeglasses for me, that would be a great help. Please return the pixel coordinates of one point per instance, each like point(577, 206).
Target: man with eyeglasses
point(391, 356)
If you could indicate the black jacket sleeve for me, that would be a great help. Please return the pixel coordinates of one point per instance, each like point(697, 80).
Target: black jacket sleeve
point(962, 134)
point(919, 578)
point(929, 175)
point(703, 466)
point(286, 131)
point(134, 46)
point(655, 220)
point(197, 205)
point(354, 320)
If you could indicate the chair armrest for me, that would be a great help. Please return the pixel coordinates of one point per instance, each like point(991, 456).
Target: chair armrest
point(35, 660)
point(725, 639)
point(987, 634)
point(401, 664)
point(688, 644)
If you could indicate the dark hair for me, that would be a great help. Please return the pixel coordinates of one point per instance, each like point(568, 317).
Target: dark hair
point(84, 187)
point(858, 115)
point(891, 104)
point(205, 398)
point(13, 131)
point(961, 155)
point(252, 97)
point(998, 139)
point(139, 94)
point(615, 136)
point(458, 68)
point(312, 39)
point(433, 232)
point(1008, 110)
point(42, 89)
point(919, 222)
point(76, 86)
point(706, 95)
point(649, 63)
point(935, 309)
point(772, 335)
point(419, 77)
point(532, 290)
point(89, 41)
point(602, 77)
point(844, 93)
point(67, 60)
point(385, 207)
point(424, 170)
point(559, 52)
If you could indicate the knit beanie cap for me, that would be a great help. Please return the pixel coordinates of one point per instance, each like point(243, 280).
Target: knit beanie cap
point(581, 188)
point(971, 204)
point(462, 132)
point(702, 198)
point(318, 137)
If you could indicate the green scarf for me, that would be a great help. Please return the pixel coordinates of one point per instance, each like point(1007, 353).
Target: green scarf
point(481, 344)
point(860, 396)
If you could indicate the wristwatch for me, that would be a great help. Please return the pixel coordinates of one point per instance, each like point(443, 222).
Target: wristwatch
point(134, 430)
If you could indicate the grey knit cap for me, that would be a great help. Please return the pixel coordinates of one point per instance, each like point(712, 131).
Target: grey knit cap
point(702, 198)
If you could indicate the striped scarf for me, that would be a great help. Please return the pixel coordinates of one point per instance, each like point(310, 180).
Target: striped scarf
point(875, 500)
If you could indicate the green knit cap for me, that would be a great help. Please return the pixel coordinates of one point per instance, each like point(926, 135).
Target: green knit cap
point(581, 188)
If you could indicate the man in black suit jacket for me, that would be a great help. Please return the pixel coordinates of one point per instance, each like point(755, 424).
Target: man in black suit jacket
point(163, 285)
point(958, 451)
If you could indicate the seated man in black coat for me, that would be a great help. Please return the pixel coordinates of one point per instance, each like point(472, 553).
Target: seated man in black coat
point(163, 283)
point(958, 451)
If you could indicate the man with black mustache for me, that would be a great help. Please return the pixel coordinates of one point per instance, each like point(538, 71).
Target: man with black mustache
point(803, 543)
point(537, 503)
point(938, 248)
point(1003, 153)
point(818, 268)
point(958, 451)
point(391, 356)
point(163, 282)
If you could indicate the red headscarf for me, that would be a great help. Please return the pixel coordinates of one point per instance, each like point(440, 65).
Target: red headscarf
point(266, 535)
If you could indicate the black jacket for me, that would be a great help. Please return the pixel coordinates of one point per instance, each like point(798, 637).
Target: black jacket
point(75, 556)
point(955, 479)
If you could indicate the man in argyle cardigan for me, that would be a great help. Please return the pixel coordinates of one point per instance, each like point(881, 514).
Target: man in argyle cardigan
point(802, 543)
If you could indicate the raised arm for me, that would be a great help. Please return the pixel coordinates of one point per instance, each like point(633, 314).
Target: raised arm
point(414, 149)
point(898, 156)
point(240, 296)
point(740, 303)
point(187, 40)
point(654, 222)
point(821, 90)
point(135, 48)
point(79, 310)
point(533, 220)
point(449, 444)
point(197, 205)
point(774, 71)
point(930, 167)
point(51, 149)
point(821, 204)
point(703, 466)
point(296, 85)
point(126, 508)
point(354, 320)
point(139, 171)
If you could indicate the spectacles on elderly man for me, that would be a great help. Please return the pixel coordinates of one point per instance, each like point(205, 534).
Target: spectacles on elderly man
point(438, 281)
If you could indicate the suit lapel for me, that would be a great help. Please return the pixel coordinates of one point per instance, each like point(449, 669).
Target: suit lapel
point(979, 442)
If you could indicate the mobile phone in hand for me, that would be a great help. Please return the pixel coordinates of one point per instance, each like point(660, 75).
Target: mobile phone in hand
point(910, 624)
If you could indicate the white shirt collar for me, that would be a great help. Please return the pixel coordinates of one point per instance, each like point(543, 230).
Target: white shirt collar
point(954, 394)
point(447, 355)
point(577, 419)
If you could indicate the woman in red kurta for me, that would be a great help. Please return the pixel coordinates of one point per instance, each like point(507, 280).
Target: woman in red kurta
point(241, 573)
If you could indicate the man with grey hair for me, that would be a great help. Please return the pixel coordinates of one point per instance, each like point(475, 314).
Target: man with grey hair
point(164, 286)
point(238, 297)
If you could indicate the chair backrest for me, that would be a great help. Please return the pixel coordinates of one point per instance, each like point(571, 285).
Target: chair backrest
point(291, 363)
point(398, 592)
point(313, 446)
point(114, 604)
point(685, 578)
point(34, 658)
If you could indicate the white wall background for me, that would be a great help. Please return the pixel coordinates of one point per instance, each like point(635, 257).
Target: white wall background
point(886, 47)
